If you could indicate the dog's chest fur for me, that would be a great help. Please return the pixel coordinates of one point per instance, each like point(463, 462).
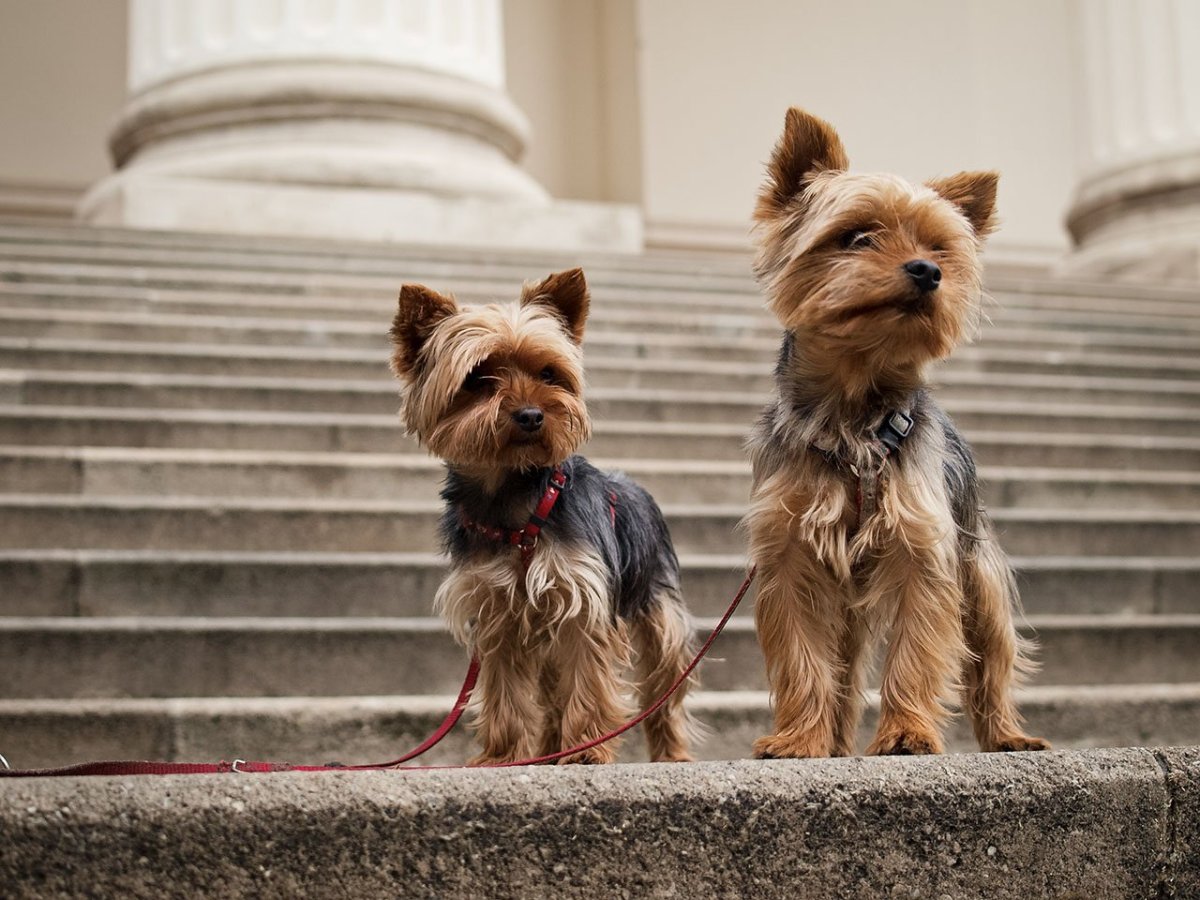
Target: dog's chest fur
point(814, 466)
point(492, 589)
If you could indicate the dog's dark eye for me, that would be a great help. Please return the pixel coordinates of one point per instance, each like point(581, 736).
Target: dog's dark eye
point(476, 380)
point(548, 375)
point(857, 239)
point(937, 248)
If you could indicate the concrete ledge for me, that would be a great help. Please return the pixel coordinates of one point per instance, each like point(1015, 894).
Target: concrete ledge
point(1096, 824)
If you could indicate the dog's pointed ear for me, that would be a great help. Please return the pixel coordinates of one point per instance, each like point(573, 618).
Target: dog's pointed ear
point(808, 145)
point(418, 314)
point(566, 293)
point(974, 193)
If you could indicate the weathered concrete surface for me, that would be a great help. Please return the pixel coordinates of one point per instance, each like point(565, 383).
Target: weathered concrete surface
point(1095, 824)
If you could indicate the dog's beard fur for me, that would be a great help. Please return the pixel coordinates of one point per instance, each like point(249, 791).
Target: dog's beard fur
point(831, 255)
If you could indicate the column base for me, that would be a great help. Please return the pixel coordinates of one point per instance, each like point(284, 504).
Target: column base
point(178, 203)
point(1141, 221)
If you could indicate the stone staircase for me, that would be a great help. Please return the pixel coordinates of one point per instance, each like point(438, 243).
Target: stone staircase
point(217, 542)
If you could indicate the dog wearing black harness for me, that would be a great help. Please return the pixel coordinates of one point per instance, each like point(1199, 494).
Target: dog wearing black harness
point(562, 577)
point(865, 513)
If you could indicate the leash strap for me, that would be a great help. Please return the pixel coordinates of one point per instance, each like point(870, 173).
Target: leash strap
point(890, 434)
point(138, 767)
point(133, 767)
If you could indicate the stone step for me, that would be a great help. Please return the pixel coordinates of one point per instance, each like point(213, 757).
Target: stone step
point(30, 239)
point(103, 325)
point(105, 471)
point(409, 262)
point(255, 657)
point(640, 404)
point(326, 362)
point(487, 283)
point(1106, 823)
point(723, 318)
point(297, 252)
point(363, 730)
point(95, 583)
point(603, 339)
point(46, 521)
point(1134, 306)
point(26, 261)
point(326, 432)
point(928, 827)
point(714, 288)
point(1076, 362)
point(611, 376)
point(752, 382)
point(608, 313)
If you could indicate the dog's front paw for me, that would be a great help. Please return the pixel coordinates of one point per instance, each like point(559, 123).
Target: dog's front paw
point(1018, 743)
point(483, 760)
point(790, 746)
point(597, 756)
point(905, 743)
point(674, 758)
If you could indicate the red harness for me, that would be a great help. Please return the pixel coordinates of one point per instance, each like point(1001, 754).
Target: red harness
point(526, 539)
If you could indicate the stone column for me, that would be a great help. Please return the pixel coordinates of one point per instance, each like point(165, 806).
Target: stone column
point(354, 119)
point(1137, 207)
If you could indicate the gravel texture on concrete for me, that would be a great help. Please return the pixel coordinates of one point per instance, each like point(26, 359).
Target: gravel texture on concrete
point(1088, 824)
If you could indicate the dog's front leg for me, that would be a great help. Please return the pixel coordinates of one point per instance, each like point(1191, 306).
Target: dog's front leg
point(797, 615)
point(591, 692)
point(801, 618)
point(916, 580)
point(507, 708)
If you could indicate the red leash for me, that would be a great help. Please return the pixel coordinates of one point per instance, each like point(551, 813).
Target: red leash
point(133, 767)
point(124, 767)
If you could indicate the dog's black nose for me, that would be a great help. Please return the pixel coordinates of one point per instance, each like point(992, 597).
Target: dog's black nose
point(925, 274)
point(529, 418)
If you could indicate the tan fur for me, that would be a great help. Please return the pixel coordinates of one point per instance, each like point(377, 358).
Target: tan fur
point(662, 640)
point(552, 655)
point(999, 657)
point(549, 652)
point(828, 581)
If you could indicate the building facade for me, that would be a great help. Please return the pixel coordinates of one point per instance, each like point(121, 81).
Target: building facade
point(608, 124)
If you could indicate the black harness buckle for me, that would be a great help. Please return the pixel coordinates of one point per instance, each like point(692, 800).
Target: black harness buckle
point(894, 429)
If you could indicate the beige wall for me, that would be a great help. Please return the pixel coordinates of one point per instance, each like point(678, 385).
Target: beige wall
point(920, 89)
point(62, 81)
point(674, 103)
point(572, 68)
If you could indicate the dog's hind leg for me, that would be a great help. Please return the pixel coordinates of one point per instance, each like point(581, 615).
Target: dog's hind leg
point(662, 642)
point(999, 656)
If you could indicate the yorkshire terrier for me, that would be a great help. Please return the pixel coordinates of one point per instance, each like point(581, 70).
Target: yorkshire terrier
point(865, 510)
point(557, 596)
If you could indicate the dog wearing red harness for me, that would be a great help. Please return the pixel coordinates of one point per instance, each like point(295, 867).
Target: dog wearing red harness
point(562, 577)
